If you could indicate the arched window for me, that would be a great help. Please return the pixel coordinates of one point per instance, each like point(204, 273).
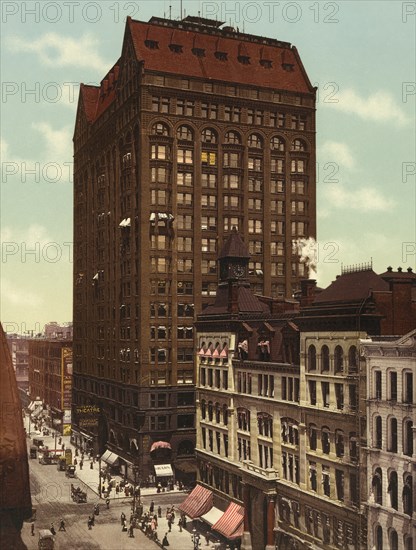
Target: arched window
point(217, 413)
point(339, 443)
point(352, 359)
point(377, 486)
point(277, 144)
point(254, 140)
point(338, 359)
point(393, 540)
point(232, 137)
point(298, 145)
point(210, 411)
point(408, 543)
point(407, 387)
point(225, 415)
point(326, 441)
point(324, 358)
point(209, 135)
point(185, 133)
point(378, 537)
point(392, 489)
point(311, 357)
point(160, 129)
point(378, 432)
point(408, 495)
point(392, 435)
point(313, 437)
point(408, 437)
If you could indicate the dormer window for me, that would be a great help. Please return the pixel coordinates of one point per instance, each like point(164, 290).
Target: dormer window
point(266, 63)
point(151, 44)
point(199, 52)
point(244, 59)
point(176, 48)
point(289, 67)
point(221, 56)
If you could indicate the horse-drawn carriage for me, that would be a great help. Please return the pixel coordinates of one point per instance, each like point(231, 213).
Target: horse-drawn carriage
point(78, 495)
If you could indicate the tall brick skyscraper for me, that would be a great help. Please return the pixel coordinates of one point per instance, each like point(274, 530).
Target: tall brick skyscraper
point(196, 129)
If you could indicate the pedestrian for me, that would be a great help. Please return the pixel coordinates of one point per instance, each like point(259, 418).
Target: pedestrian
point(180, 525)
point(108, 503)
point(159, 487)
point(165, 541)
point(91, 465)
point(206, 540)
point(124, 528)
point(52, 529)
point(32, 528)
point(159, 511)
point(75, 461)
point(131, 530)
point(89, 523)
point(122, 517)
point(170, 524)
point(81, 464)
point(62, 526)
point(117, 488)
point(152, 507)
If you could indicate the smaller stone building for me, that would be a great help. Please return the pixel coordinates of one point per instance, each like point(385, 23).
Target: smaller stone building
point(391, 437)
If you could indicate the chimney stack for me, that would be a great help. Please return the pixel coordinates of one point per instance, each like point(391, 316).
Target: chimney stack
point(308, 287)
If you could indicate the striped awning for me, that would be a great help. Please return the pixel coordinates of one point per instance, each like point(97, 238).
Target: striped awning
point(231, 523)
point(198, 502)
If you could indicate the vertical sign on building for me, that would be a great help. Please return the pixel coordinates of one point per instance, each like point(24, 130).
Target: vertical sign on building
point(66, 388)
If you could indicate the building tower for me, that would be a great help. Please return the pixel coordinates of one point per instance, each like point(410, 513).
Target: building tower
point(194, 130)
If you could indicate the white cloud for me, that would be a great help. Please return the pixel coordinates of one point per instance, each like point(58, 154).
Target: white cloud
point(34, 234)
point(364, 199)
point(379, 106)
point(55, 50)
point(12, 294)
point(336, 151)
point(58, 142)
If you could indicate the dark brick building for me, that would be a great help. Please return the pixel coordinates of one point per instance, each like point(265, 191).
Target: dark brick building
point(195, 129)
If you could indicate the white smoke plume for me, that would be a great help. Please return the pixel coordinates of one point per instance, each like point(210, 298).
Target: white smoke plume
point(307, 250)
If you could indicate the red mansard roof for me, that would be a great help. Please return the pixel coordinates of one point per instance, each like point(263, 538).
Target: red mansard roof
point(151, 43)
point(164, 60)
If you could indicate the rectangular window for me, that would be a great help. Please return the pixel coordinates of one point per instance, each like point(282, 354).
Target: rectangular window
point(231, 181)
point(209, 180)
point(231, 160)
point(339, 396)
point(185, 156)
point(185, 179)
point(208, 223)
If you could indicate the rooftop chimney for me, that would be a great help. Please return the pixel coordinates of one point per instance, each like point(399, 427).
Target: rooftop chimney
point(308, 287)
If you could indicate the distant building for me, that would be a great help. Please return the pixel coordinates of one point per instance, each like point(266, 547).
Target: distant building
point(50, 379)
point(55, 330)
point(19, 349)
point(391, 441)
point(197, 128)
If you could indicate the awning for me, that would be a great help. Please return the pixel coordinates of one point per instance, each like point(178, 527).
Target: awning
point(163, 470)
point(230, 525)
point(109, 457)
point(160, 445)
point(212, 516)
point(198, 502)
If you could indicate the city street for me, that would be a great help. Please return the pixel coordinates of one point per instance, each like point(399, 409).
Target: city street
point(51, 498)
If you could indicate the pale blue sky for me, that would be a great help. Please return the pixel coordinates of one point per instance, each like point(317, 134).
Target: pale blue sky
point(360, 54)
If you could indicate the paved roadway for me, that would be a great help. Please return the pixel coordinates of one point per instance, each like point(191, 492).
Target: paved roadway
point(51, 497)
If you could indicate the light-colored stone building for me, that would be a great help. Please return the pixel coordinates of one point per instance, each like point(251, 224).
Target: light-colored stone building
point(391, 437)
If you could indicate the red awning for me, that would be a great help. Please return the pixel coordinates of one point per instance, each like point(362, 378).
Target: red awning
point(231, 523)
point(160, 445)
point(198, 502)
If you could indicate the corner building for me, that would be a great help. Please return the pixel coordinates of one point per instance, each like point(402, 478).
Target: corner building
point(196, 129)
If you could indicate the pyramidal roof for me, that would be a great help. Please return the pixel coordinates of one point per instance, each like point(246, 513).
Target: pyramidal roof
point(234, 247)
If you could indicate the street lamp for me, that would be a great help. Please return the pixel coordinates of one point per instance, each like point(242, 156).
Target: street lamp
point(195, 539)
